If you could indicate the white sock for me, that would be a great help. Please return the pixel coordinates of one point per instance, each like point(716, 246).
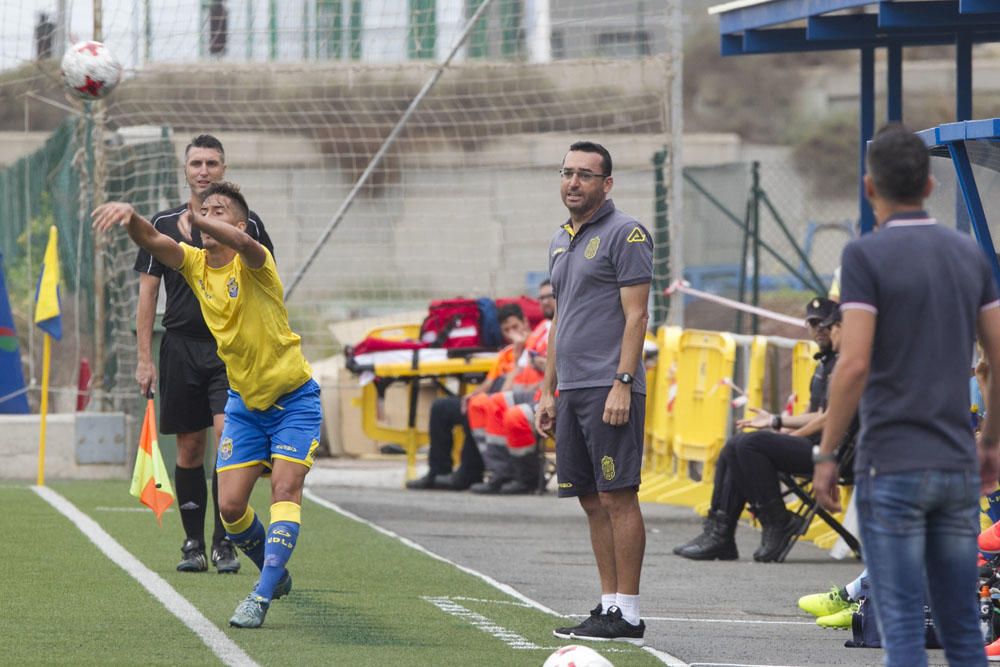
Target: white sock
point(629, 604)
point(608, 599)
point(854, 588)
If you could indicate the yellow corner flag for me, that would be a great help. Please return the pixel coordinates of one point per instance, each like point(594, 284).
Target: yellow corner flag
point(150, 481)
point(48, 315)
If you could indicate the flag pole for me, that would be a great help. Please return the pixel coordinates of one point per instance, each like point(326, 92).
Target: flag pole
point(46, 358)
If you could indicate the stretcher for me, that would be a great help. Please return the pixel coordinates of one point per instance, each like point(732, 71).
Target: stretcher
point(378, 370)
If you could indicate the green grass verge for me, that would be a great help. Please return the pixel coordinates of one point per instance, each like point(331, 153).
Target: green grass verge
point(358, 597)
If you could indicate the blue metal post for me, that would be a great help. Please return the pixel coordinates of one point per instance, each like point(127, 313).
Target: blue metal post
point(894, 83)
point(867, 127)
point(973, 203)
point(963, 111)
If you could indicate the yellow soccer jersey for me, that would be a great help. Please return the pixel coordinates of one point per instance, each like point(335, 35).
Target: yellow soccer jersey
point(244, 309)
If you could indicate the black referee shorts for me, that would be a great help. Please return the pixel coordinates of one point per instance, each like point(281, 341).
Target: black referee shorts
point(593, 456)
point(193, 384)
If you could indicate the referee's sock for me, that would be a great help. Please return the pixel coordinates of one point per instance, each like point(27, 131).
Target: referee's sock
point(286, 518)
point(247, 533)
point(192, 496)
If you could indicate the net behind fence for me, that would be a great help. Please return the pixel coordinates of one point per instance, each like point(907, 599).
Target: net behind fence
point(303, 94)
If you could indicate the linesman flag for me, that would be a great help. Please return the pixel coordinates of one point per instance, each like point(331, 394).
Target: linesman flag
point(150, 481)
point(48, 315)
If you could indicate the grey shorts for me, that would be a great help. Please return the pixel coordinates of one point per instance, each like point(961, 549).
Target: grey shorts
point(593, 456)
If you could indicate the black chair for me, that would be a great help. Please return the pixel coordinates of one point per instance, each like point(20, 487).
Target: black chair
point(801, 487)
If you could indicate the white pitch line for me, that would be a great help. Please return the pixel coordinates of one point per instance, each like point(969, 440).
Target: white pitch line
point(679, 619)
point(221, 645)
point(413, 545)
point(508, 637)
point(663, 656)
point(462, 598)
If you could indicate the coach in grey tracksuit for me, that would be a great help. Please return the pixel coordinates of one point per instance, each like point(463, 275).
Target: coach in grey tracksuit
point(601, 264)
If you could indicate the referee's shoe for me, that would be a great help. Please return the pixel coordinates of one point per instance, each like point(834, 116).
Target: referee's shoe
point(194, 557)
point(224, 557)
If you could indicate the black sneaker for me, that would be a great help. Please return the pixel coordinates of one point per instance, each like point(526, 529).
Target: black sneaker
point(224, 557)
point(491, 486)
point(595, 617)
point(425, 482)
point(194, 557)
point(611, 627)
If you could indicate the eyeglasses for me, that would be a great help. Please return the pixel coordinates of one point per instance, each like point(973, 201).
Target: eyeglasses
point(542, 297)
point(584, 176)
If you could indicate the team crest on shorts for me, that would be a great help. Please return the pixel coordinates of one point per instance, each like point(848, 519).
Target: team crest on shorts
point(591, 250)
point(226, 449)
point(232, 287)
point(608, 468)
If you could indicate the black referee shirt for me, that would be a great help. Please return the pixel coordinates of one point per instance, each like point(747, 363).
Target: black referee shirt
point(183, 314)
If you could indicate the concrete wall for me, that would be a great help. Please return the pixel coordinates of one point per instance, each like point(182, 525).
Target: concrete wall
point(78, 446)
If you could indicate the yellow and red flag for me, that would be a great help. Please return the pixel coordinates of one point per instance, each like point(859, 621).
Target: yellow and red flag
point(150, 481)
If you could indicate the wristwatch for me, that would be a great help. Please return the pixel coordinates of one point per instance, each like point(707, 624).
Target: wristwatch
point(776, 422)
point(624, 378)
point(819, 457)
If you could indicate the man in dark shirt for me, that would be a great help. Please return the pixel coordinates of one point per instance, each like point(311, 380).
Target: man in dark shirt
point(913, 296)
point(193, 384)
point(601, 265)
point(748, 465)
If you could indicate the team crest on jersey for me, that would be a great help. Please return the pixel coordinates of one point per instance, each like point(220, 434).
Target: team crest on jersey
point(591, 250)
point(232, 287)
point(608, 468)
point(226, 449)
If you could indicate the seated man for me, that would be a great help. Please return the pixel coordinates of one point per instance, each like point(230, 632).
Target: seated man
point(511, 471)
point(747, 467)
point(450, 411)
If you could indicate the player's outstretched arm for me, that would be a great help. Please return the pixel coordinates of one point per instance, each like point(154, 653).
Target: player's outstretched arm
point(253, 253)
point(166, 251)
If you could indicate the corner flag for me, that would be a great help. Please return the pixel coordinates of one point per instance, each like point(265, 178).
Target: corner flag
point(150, 481)
point(48, 315)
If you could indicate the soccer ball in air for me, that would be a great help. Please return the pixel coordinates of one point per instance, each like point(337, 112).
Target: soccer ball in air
point(576, 656)
point(90, 71)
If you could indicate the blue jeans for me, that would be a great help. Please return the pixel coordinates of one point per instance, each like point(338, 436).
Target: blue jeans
point(919, 532)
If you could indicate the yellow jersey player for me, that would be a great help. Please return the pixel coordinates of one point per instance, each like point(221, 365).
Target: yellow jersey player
point(272, 417)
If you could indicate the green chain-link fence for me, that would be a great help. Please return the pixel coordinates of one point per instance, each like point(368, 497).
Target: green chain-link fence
point(50, 187)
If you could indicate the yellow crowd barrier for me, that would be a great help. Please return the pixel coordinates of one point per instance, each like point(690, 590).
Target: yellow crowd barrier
point(803, 367)
point(688, 405)
point(700, 413)
point(659, 470)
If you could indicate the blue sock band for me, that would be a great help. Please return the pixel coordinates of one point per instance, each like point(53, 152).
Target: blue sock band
point(250, 540)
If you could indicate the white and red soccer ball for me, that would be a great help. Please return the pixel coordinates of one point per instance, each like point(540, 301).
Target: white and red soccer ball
point(575, 655)
point(90, 71)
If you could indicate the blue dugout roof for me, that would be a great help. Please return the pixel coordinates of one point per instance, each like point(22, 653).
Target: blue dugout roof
point(789, 26)
point(783, 26)
point(967, 143)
